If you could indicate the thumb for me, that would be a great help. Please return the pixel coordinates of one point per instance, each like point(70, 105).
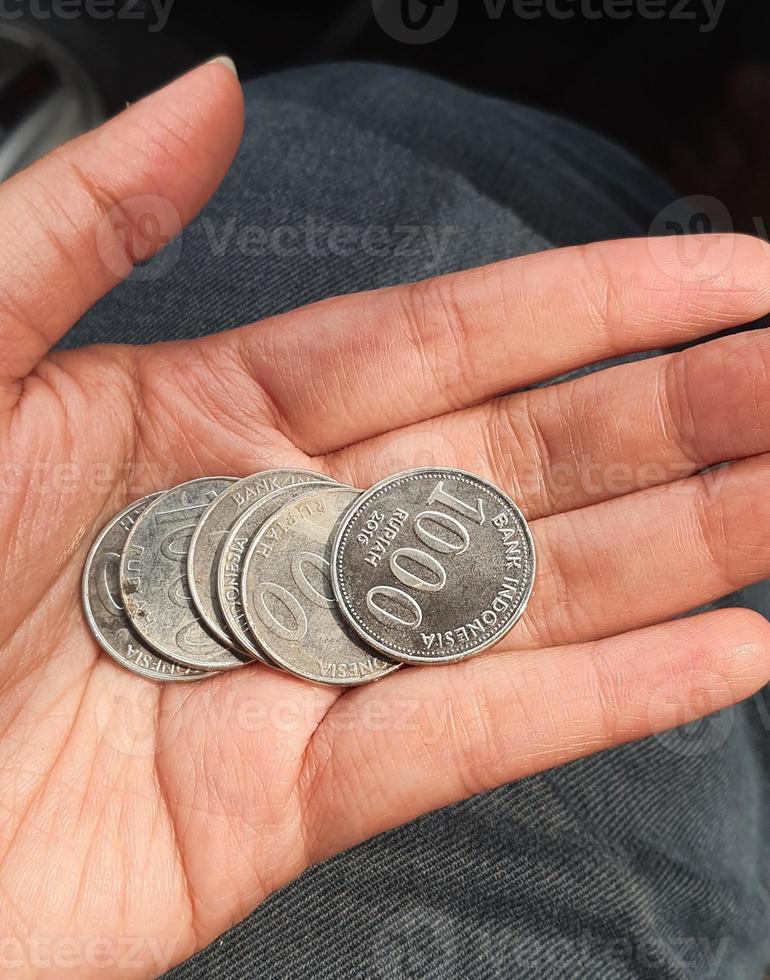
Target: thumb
point(76, 222)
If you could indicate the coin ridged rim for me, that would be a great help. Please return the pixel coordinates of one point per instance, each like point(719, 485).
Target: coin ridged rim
point(279, 661)
point(215, 629)
point(343, 533)
point(190, 673)
point(241, 659)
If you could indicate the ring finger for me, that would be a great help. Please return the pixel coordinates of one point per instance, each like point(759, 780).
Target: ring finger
point(597, 437)
point(650, 556)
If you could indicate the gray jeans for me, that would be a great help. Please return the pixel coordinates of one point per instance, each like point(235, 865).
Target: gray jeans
point(647, 861)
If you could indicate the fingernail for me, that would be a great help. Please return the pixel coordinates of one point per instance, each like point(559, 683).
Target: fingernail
point(226, 62)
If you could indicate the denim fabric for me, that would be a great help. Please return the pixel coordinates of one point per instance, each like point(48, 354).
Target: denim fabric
point(647, 861)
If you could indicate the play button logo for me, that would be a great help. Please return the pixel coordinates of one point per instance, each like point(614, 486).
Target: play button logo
point(415, 21)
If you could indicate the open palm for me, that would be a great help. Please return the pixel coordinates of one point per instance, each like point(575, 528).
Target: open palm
point(140, 820)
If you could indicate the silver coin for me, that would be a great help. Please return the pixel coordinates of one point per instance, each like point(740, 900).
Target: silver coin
point(209, 536)
point(153, 578)
point(288, 599)
point(228, 586)
point(433, 565)
point(104, 609)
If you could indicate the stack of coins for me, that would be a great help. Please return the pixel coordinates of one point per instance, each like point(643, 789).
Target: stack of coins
point(291, 569)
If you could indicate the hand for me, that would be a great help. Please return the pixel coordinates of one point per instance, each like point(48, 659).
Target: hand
point(167, 813)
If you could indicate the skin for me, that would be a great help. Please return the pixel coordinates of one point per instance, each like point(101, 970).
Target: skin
point(139, 821)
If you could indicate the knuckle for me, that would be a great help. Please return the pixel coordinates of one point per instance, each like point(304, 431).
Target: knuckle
point(711, 521)
point(678, 395)
point(506, 442)
point(481, 756)
point(610, 696)
point(601, 296)
point(438, 330)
